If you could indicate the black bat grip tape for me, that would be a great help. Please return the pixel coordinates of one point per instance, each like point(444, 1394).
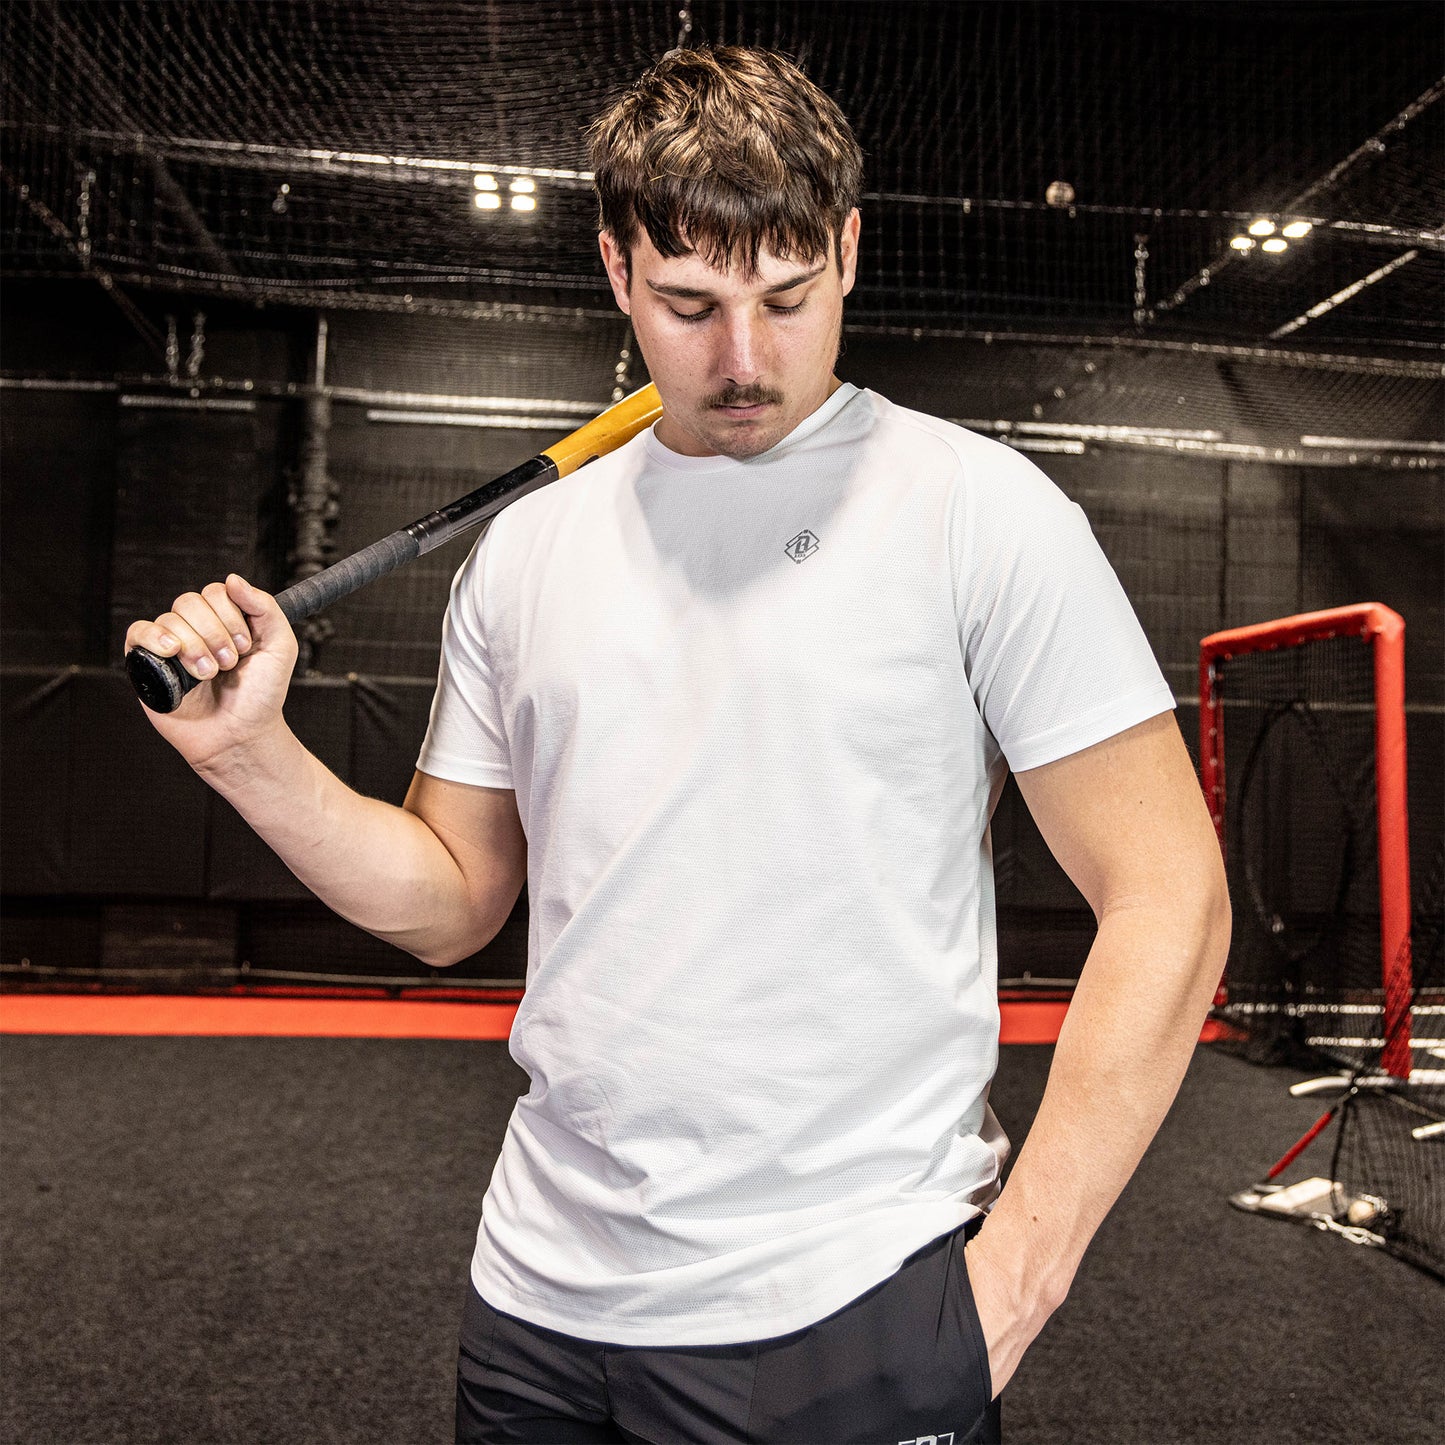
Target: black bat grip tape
point(161, 683)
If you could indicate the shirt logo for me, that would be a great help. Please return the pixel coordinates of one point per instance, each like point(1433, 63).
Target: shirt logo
point(945, 1439)
point(802, 546)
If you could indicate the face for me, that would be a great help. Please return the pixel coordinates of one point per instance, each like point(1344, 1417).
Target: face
point(738, 362)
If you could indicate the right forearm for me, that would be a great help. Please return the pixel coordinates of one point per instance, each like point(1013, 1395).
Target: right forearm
point(386, 869)
point(373, 863)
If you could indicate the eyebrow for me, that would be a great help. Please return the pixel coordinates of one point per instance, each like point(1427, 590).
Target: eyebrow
point(695, 293)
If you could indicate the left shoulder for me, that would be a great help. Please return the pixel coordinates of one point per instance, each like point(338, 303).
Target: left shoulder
point(991, 472)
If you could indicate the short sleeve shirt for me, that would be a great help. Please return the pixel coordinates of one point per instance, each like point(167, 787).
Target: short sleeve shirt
point(757, 715)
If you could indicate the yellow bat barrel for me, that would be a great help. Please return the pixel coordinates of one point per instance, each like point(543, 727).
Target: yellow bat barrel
point(618, 424)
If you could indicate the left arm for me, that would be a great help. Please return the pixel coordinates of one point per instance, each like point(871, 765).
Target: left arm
point(1127, 821)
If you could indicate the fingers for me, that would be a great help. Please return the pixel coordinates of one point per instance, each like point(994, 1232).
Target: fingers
point(157, 637)
point(229, 615)
point(209, 631)
point(205, 643)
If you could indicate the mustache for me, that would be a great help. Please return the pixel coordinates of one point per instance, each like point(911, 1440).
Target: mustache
point(744, 396)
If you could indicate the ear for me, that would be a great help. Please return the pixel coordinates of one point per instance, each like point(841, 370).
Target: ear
point(848, 250)
point(619, 271)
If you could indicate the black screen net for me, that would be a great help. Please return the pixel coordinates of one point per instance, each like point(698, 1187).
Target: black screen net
point(1064, 183)
point(1051, 193)
point(1305, 980)
point(326, 152)
point(1390, 1148)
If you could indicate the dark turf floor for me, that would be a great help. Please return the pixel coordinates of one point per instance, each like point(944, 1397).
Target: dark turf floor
point(236, 1240)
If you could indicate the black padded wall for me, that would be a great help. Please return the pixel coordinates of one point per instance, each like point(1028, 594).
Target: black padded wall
point(188, 492)
point(57, 467)
point(112, 847)
point(117, 856)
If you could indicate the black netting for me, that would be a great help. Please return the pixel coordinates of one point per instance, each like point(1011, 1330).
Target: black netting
point(300, 148)
point(1305, 980)
point(227, 169)
point(319, 154)
point(1390, 1159)
point(1306, 976)
point(1390, 1148)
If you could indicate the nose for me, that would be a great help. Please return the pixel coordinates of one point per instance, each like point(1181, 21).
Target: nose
point(741, 361)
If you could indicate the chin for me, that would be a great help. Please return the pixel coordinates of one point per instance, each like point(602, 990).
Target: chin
point(741, 448)
point(742, 442)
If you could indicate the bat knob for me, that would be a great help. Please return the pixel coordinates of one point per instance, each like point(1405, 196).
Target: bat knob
point(160, 682)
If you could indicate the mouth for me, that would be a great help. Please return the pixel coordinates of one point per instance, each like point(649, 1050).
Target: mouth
point(745, 413)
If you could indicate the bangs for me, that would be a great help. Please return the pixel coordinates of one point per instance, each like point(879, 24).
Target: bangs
point(727, 226)
point(725, 154)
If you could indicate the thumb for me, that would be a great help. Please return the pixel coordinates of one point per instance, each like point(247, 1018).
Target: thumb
point(251, 600)
point(264, 617)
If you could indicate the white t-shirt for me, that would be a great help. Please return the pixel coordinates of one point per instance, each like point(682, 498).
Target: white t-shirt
point(757, 715)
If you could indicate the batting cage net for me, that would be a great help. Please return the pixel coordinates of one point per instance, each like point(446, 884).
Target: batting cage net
point(284, 149)
point(1077, 175)
point(1172, 233)
point(282, 275)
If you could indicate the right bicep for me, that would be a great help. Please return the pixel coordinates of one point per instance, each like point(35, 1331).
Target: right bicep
point(482, 830)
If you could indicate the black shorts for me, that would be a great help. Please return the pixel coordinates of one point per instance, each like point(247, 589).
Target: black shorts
point(903, 1364)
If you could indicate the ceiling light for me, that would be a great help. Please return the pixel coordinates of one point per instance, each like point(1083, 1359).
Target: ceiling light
point(485, 183)
point(1296, 229)
point(1275, 245)
point(486, 201)
point(1262, 227)
point(1242, 243)
point(529, 203)
point(524, 184)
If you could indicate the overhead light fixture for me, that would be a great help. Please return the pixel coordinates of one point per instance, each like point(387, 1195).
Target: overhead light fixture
point(1262, 227)
point(1274, 245)
point(1242, 243)
point(524, 203)
point(488, 201)
point(485, 182)
point(523, 184)
point(1296, 229)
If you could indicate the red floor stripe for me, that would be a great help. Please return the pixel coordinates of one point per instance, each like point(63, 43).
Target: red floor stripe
point(186, 1014)
point(324, 1018)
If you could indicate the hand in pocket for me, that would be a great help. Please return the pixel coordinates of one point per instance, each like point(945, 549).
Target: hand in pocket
point(1008, 1327)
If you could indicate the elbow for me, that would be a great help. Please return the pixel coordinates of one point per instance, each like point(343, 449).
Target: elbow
point(1225, 928)
point(448, 952)
point(1216, 928)
point(1224, 922)
point(1221, 910)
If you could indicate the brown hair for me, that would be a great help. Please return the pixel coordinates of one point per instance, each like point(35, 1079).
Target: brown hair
point(724, 151)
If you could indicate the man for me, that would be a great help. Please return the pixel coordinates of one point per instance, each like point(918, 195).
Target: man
point(738, 701)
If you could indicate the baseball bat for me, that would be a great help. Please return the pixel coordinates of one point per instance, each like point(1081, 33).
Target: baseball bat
point(161, 682)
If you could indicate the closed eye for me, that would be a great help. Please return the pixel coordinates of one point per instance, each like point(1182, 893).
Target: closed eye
point(695, 316)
